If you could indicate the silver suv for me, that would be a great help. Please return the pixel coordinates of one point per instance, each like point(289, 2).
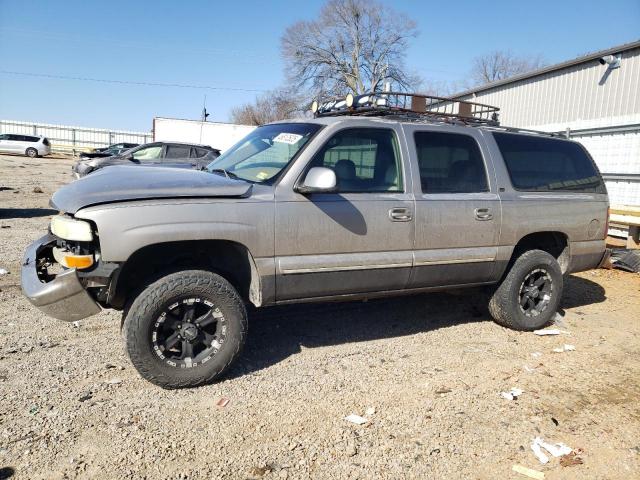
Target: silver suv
point(29, 145)
point(366, 199)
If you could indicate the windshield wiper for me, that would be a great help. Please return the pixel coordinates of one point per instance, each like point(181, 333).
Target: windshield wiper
point(226, 173)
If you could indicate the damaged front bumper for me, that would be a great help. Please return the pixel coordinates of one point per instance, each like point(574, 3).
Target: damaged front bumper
point(60, 296)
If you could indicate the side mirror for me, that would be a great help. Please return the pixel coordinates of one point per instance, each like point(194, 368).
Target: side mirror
point(318, 179)
point(132, 159)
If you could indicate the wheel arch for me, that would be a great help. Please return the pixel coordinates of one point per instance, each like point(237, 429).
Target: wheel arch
point(555, 243)
point(231, 260)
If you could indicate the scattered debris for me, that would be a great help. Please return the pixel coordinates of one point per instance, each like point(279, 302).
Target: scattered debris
point(114, 381)
point(572, 458)
point(76, 324)
point(565, 348)
point(85, 396)
point(223, 402)
point(627, 260)
point(370, 411)
point(555, 449)
point(5, 226)
point(555, 422)
point(536, 354)
point(260, 471)
point(38, 190)
point(528, 472)
point(3, 271)
point(442, 391)
point(549, 331)
point(558, 320)
point(357, 419)
point(512, 394)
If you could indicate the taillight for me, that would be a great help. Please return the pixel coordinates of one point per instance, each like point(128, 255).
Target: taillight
point(606, 225)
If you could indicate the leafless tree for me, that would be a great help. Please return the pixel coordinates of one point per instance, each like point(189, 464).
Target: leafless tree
point(502, 64)
point(269, 107)
point(353, 46)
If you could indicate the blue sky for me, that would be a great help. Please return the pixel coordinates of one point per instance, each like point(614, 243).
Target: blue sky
point(236, 45)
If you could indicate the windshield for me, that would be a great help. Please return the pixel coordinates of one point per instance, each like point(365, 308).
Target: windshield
point(265, 152)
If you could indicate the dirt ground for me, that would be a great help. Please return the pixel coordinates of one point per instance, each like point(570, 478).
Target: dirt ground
point(432, 367)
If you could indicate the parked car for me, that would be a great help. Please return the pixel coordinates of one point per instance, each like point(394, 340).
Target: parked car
point(29, 145)
point(114, 149)
point(165, 154)
point(351, 204)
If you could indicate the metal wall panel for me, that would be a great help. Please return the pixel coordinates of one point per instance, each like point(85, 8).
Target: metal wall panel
point(590, 93)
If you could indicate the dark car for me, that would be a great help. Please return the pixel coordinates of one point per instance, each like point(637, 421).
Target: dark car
point(160, 154)
point(109, 151)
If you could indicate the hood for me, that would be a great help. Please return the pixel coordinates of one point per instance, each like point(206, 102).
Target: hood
point(123, 183)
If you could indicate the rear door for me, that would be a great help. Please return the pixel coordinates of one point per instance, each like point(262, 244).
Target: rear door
point(178, 156)
point(458, 211)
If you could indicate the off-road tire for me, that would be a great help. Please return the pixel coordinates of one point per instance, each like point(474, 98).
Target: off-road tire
point(504, 304)
point(143, 312)
point(31, 152)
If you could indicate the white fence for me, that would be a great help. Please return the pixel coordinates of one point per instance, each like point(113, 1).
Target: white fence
point(68, 139)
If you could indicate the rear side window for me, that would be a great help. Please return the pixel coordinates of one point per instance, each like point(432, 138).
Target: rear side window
point(177, 151)
point(199, 152)
point(541, 164)
point(450, 163)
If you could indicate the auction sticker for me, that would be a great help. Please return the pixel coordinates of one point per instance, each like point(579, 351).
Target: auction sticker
point(289, 138)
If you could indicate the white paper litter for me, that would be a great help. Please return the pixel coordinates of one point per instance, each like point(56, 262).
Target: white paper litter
point(537, 451)
point(370, 411)
point(555, 449)
point(3, 271)
point(512, 394)
point(536, 354)
point(357, 419)
point(550, 331)
point(565, 348)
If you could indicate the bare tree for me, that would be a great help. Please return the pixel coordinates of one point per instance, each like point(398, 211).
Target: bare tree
point(501, 64)
point(353, 46)
point(270, 107)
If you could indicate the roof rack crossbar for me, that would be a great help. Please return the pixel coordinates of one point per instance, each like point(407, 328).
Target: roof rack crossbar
point(410, 104)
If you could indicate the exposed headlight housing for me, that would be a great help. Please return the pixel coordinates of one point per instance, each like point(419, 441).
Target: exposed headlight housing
point(71, 229)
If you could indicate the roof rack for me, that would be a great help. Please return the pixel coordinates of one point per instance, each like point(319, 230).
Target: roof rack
point(411, 105)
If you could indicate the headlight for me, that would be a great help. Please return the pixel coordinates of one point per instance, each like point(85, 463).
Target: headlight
point(70, 229)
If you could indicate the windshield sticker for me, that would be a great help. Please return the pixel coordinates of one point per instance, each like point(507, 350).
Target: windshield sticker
point(262, 176)
point(289, 138)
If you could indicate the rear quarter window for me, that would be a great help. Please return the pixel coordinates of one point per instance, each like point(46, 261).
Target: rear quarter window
point(542, 164)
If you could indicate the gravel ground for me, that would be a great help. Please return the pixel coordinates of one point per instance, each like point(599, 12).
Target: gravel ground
point(426, 371)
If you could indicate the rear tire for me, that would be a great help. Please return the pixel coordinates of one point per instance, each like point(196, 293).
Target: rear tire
point(31, 152)
point(185, 329)
point(530, 293)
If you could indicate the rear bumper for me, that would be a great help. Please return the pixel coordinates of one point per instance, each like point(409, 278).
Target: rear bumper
point(63, 297)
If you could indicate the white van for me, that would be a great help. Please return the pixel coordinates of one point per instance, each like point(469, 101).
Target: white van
point(30, 145)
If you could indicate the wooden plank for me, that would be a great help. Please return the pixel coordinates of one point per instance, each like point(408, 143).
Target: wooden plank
point(624, 210)
point(625, 219)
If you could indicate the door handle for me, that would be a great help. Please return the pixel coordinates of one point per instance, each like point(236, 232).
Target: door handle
point(483, 214)
point(400, 215)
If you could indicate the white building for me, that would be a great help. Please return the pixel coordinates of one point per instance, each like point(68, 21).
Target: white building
point(215, 134)
point(595, 102)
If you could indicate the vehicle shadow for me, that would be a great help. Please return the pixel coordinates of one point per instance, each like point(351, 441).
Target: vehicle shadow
point(6, 213)
point(580, 291)
point(276, 333)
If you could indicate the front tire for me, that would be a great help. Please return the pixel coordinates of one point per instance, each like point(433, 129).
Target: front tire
point(185, 329)
point(530, 293)
point(31, 152)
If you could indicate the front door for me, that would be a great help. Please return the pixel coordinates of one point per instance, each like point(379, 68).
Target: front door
point(458, 210)
point(357, 239)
